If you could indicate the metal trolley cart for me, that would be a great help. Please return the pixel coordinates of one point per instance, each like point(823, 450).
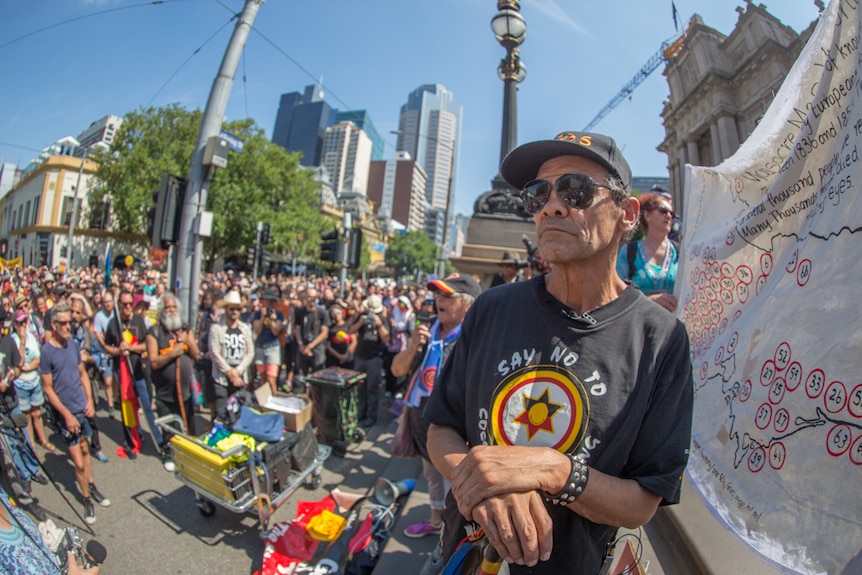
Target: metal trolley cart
point(334, 395)
point(218, 478)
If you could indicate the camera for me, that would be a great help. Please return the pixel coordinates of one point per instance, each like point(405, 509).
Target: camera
point(71, 541)
point(94, 553)
point(369, 319)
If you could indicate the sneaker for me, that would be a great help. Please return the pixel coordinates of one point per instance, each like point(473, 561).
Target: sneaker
point(101, 456)
point(96, 496)
point(89, 511)
point(167, 462)
point(40, 479)
point(111, 412)
point(26, 485)
point(422, 529)
point(37, 512)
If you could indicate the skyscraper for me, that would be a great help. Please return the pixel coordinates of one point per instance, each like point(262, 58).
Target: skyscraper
point(347, 157)
point(363, 120)
point(301, 123)
point(430, 131)
point(397, 188)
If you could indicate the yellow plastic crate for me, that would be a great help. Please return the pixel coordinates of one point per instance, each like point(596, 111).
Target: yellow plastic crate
point(213, 475)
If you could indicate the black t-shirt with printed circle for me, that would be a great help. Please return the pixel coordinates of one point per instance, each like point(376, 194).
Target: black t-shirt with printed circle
point(137, 330)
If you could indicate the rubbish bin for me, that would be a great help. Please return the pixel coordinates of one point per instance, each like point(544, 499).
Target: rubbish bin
point(334, 395)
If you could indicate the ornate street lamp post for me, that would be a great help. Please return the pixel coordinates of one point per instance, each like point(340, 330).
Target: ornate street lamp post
point(510, 29)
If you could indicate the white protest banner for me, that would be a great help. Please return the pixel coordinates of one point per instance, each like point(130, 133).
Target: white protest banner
point(769, 286)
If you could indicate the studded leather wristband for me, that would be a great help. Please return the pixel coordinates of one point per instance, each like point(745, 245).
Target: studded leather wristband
point(575, 484)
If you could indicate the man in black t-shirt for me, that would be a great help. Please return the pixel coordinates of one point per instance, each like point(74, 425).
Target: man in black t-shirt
point(311, 330)
point(172, 349)
point(565, 408)
point(124, 341)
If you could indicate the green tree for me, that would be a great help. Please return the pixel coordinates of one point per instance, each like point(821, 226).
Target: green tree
point(411, 251)
point(262, 183)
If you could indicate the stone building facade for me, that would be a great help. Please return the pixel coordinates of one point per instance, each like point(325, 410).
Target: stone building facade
point(720, 87)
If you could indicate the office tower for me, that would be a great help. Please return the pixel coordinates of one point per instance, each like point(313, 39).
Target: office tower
point(102, 130)
point(363, 120)
point(397, 188)
point(430, 131)
point(346, 156)
point(301, 122)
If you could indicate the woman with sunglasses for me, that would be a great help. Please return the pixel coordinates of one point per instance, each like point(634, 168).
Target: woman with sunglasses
point(652, 263)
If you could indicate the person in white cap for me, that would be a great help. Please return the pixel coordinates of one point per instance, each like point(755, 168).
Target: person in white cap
point(373, 329)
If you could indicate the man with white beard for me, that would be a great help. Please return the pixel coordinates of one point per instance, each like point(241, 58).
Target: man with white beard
point(172, 349)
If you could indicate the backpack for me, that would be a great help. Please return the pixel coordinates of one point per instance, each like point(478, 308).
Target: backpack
point(632, 254)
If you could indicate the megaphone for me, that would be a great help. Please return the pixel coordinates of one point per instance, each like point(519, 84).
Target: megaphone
point(386, 492)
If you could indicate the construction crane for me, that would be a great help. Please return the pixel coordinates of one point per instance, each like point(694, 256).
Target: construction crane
point(669, 49)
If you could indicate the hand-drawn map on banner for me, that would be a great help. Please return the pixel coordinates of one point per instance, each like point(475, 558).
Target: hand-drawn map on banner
point(770, 284)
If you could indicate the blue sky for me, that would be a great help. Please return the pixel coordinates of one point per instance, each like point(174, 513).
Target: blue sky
point(78, 60)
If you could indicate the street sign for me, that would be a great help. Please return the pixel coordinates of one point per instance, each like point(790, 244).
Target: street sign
point(233, 142)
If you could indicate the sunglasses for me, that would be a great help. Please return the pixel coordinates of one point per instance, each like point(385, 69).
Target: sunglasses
point(67, 322)
point(577, 190)
point(126, 303)
point(234, 309)
point(662, 210)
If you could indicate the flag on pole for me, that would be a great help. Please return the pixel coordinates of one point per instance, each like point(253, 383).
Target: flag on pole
point(675, 16)
point(108, 265)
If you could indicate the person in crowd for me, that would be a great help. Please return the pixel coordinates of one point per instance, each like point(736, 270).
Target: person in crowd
point(209, 314)
point(7, 315)
point(402, 319)
point(582, 380)
point(267, 324)
point(34, 324)
point(508, 270)
point(231, 347)
point(311, 325)
point(251, 304)
point(172, 350)
point(104, 361)
point(429, 347)
point(28, 384)
point(22, 548)
point(82, 333)
point(125, 341)
point(67, 388)
point(652, 263)
point(372, 329)
point(20, 444)
point(48, 284)
point(341, 344)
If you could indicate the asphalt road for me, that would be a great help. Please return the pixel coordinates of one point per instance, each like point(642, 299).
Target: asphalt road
point(153, 524)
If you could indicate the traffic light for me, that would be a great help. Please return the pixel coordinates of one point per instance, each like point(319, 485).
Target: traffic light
point(264, 235)
point(264, 259)
point(330, 247)
point(165, 214)
point(250, 255)
point(354, 249)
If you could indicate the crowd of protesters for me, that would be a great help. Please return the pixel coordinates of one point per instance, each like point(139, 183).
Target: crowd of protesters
point(75, 349)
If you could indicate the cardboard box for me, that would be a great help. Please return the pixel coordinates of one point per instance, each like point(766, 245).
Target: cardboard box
point(293, 420)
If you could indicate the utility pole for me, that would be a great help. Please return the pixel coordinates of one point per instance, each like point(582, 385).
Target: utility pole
point(190, 245)
point(347, 225)
point(256, 250)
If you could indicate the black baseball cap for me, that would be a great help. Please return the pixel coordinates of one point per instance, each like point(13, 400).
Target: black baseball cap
point(523, 163)
point(456, 283)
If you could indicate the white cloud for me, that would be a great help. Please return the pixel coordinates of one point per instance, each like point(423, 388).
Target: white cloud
point(552, 9)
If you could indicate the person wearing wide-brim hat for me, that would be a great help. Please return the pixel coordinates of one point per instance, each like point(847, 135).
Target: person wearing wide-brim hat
point(231, 348)
point(373, 329)
point(267, 323)
point(508, 270)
